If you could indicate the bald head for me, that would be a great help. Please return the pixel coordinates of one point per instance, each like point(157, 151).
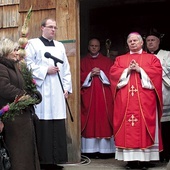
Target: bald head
point(94, 46)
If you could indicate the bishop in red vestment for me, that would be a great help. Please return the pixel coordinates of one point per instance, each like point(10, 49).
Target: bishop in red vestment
point(136, 81)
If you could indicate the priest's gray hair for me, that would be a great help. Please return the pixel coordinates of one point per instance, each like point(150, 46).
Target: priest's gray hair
point(135, 33)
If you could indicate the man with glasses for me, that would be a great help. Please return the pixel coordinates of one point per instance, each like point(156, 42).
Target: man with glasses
point(51, 132)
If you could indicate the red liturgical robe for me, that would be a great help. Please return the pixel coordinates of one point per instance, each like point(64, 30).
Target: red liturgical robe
point(96, 100)
point(135, 107)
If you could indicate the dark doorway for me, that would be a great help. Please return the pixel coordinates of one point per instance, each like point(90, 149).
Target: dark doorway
point(114, 21)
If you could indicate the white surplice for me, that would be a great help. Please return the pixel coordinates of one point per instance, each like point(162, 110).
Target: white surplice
point(49, 85)
point(164, 57)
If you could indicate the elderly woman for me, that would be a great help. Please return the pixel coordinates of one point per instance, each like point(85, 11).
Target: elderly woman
point(19, 134)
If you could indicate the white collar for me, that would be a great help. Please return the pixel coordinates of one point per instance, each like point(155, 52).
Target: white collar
point(94, 56)
point(138, 52)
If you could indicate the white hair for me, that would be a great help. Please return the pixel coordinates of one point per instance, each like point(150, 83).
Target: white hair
point(137, 34)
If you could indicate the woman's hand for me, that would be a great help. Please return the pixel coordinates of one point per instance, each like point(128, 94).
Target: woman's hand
point(1, 126)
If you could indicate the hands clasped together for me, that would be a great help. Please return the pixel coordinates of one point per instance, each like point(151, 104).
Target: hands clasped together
point(95, 72)
point(133, 66)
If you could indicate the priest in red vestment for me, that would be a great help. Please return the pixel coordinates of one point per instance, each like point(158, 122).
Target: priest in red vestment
point(96, 102)
point(136, 82)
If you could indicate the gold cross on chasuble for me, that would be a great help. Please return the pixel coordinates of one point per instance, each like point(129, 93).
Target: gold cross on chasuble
point(132, 120)
point(132, 90)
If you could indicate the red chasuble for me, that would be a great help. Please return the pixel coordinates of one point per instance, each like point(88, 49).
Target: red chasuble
point(96, 100)
point(134, 119)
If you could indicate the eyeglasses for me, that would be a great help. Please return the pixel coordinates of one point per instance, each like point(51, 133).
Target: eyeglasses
point(51, 27)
